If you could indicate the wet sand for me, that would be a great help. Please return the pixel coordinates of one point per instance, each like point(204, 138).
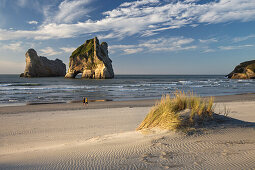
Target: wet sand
point(108, 104)
point(102, 136)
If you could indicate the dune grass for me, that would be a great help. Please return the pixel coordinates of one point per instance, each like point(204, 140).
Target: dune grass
point(181, 111)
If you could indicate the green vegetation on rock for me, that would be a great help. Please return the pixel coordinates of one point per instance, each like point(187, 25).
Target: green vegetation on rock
point(86, 50)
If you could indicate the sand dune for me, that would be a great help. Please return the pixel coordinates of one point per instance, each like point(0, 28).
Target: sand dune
point(105, 139)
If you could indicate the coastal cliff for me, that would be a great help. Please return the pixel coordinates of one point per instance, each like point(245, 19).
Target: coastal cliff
point(38, 66)
point(245, 70)
point(91, 59)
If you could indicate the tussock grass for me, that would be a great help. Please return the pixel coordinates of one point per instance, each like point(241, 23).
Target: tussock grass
point(183, 110)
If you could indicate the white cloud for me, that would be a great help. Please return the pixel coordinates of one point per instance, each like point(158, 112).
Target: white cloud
point(238, 39)
point(235, 47)
point(68, 11)
point(168, 44)
point(16, 46)
point(48, 51)
point(68, 49)
point(154, 45)
point(133, 51)
point(191, 0)
point(138, 3)
point(211, 40)
point(208, 50)
point(33, 22)
point(228, 10)
point(141, 17)
point(121, 46)
point(107, 36)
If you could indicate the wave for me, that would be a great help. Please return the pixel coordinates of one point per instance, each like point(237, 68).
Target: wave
point(45, 90)
point(185, 82)
point(12, 100)
point(20, 84)
point(53, 87)
point(245, 80)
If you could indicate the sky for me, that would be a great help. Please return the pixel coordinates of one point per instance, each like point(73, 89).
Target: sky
point(144, 36)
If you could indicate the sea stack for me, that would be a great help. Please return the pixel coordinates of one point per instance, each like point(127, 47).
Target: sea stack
point(245, 70)
point(92, 60)
point(38, 66)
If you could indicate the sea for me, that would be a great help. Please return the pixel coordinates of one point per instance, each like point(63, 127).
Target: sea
point(15, 90)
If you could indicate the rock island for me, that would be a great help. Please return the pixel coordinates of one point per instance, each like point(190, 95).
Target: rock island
point(39, 66)
point(245, 70)
point(92, 60)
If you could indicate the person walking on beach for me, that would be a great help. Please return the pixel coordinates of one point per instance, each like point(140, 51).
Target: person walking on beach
point(86, 101)
point(83, 100)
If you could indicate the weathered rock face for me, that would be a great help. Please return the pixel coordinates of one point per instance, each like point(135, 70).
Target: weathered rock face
point(38, 66)
point(245, 70)
point(91, 59)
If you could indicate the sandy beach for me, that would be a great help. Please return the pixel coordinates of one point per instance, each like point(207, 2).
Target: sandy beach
point(102, 136)
point(130, 84)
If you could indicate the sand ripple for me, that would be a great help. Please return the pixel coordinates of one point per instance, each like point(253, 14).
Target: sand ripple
point(92, 139)
point(231, 148)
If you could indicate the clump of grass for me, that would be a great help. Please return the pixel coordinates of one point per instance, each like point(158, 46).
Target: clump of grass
point(225, 111)
point(183, 110)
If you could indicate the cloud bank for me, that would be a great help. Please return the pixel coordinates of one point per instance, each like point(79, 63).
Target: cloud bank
point(156, 45)
point(144, 18)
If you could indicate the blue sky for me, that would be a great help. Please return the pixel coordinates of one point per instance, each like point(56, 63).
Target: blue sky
point(144, 36)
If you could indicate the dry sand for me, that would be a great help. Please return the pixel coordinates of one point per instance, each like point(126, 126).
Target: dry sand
point(104, 138)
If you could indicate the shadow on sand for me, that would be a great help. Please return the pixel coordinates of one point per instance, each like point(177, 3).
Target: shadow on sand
point(218, 122)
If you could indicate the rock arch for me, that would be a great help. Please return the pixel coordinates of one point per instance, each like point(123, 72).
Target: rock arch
point(92, 60)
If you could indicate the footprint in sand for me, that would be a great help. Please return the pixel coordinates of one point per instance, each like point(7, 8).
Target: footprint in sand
point(167, 155)
point(172, 166)
point(149, 158)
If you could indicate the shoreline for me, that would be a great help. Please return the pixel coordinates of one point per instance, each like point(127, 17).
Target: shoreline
point(104, 104)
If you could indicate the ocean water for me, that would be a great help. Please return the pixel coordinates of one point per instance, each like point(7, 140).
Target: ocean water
point(16, 90)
